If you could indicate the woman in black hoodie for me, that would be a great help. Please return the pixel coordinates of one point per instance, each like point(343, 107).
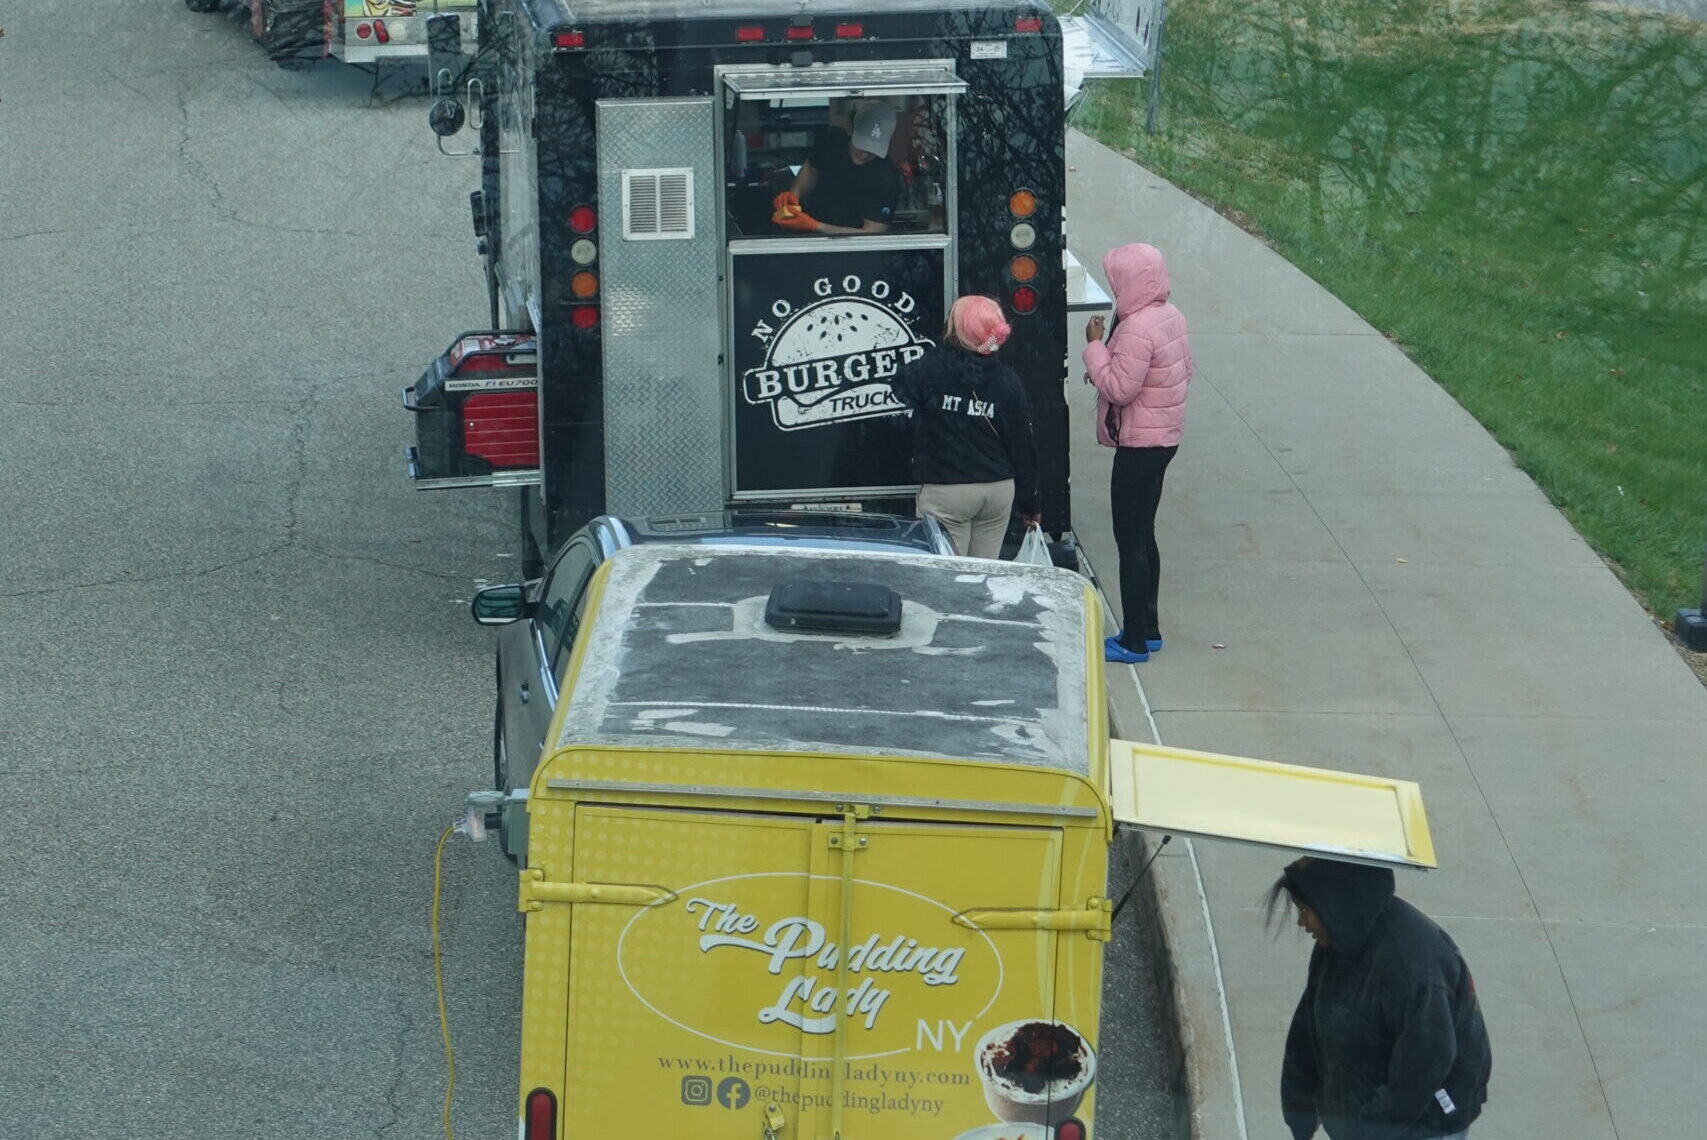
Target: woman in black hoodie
point(973, 453)
point(1387, 1042)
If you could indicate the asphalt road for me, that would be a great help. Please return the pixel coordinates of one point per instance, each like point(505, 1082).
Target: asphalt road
point(241, 695)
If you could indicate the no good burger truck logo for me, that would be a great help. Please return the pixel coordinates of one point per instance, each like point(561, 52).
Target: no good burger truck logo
point(830, 362)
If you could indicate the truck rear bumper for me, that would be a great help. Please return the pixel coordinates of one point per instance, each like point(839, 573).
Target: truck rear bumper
point(426, 482)
point(392, 37)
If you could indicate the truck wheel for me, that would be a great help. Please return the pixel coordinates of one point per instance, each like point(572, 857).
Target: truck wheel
point(203, 5)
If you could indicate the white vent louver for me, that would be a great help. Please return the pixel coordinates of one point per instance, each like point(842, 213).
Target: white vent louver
point(657, 204)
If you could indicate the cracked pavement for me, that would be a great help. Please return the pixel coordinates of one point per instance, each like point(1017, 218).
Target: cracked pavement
point(241, 692)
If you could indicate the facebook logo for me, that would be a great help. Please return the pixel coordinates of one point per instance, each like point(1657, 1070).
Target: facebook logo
point(732, 1092)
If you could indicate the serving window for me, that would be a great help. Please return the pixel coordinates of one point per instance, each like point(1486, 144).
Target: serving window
point(776, 124)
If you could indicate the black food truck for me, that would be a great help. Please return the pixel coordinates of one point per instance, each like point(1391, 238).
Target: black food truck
point(662, 340)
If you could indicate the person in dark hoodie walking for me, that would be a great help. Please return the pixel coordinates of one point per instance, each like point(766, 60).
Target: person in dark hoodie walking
point(1387, 1042)
point(972, 448)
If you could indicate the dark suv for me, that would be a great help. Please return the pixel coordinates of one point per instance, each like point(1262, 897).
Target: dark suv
point(541, 618)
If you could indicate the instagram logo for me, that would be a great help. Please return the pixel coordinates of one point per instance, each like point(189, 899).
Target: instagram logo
point(696, 1090)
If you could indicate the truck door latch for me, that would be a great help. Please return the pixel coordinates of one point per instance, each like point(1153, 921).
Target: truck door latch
point(533, 892)
point(1095, 919)
point(774, 1120)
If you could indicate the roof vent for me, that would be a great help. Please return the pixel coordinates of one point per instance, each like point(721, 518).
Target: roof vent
point(834, 607)
point(657, 204)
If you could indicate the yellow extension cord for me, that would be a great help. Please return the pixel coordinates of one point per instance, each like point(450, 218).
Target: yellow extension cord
point(439, 979)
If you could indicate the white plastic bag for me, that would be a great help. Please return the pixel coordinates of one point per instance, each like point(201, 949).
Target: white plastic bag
point(1034, 551)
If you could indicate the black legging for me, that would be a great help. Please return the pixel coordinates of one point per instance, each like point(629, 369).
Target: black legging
point(1134, 492)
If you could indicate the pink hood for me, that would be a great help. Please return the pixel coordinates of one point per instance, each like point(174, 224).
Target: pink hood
point(1138, 274)
point(1142, 372)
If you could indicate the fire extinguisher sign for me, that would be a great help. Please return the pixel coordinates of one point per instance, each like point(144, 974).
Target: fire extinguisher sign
point(818, 336)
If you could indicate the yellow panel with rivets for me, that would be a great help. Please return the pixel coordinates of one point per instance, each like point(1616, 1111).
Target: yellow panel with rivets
point(716, 1003)
point(665, 1036)
point(1078, 978)
point(545, 975)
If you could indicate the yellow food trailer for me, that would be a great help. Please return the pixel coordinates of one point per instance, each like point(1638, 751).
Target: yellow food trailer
point(819, 844)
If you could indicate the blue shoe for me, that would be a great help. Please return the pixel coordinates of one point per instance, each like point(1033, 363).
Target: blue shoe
point(1150, 643)
point(1113, 651)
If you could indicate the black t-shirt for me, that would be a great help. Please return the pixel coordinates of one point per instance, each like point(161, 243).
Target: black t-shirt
point(849, 193)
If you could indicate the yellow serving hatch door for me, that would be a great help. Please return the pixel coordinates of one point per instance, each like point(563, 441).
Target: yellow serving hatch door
point(1312, 811)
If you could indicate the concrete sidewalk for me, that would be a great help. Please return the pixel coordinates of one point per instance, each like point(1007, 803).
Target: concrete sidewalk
point(1394, 596)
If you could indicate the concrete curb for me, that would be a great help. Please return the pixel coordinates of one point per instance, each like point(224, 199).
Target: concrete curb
point(1180, 947)
point(1179, 944)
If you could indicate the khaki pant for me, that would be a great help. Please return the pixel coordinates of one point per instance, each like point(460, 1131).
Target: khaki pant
point(975, 515)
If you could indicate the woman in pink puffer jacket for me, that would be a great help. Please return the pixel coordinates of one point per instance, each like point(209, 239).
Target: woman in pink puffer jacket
point(1141, 374)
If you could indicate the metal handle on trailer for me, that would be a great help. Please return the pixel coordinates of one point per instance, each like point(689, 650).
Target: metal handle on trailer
point(476, 91)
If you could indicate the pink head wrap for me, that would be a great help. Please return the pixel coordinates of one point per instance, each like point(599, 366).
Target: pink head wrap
point(978, 324)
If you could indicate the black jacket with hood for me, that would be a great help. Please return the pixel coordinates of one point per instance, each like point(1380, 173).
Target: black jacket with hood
point(1387, 1042)
point(970, 423)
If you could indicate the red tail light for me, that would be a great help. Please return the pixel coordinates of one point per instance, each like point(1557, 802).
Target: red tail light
point(363, 31)
point(849, 31)
point(583, 219)
point(1024, 299)
point(541, 1122)
point(799, 33)
point(584, 317)
point(1028, 23)
point(379, 32)
point(569, 40)
point(749, 33)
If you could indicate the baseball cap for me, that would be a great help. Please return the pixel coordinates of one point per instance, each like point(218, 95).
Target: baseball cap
point(873, 129)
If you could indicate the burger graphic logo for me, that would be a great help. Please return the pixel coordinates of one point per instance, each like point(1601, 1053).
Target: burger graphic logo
point(830, 362)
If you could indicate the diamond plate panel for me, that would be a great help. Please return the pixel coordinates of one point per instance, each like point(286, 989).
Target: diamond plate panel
point(662, 319)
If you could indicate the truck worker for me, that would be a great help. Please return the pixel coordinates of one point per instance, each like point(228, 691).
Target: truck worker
point(848, 186)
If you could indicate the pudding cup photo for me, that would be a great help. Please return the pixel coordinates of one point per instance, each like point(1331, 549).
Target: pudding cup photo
point(1034, 1071)
point(1006, 1132)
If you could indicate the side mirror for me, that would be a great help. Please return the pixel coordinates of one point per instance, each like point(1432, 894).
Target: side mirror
point(499, 605)
point(445, 117)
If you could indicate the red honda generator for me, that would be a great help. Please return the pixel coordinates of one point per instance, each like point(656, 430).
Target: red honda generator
point(476, 417)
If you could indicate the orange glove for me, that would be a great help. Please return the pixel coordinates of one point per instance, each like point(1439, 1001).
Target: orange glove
point(797, 220)
point(788, 199)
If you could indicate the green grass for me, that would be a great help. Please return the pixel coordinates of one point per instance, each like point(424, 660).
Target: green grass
point(1514, 190)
